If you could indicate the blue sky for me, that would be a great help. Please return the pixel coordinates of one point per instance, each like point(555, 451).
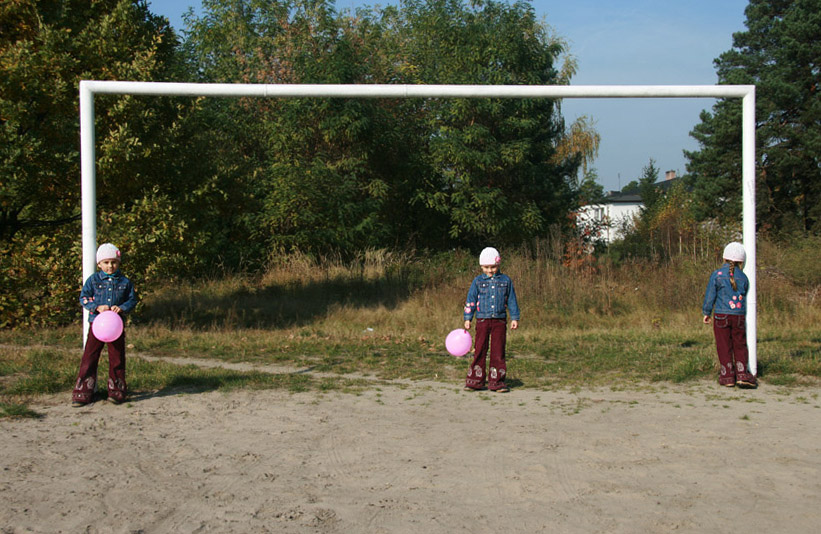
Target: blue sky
point(629, 42)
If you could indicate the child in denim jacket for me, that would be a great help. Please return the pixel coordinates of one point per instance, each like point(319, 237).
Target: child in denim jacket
point(726, 295)
point(490, 298)
point(107, 289)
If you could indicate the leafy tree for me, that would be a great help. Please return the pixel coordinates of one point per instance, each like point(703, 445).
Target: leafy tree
point(493, 170)
point(670, 223)
point(648, 234)
point(186, 181)
point(632, 187)
point(778, 53)
point(321, 173)
point(46, 48)
point(590, 190)
point(579, 142)
point(333, 173)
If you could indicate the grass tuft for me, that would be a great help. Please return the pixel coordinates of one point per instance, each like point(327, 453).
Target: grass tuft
point(18, 411)
point(384, 316)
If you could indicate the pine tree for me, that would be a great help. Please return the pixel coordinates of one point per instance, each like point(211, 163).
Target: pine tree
point(779, 53)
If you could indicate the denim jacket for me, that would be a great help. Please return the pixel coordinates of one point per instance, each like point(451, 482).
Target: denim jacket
point(491, 297)
point(720, 295)
point(109, 290)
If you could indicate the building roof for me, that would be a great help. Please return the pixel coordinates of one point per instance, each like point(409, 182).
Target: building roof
point(633, 195)
point(616, 197)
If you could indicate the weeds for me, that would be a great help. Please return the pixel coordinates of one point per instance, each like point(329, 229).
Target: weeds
point(37, 372)
point(385, 316)
point(18, 411)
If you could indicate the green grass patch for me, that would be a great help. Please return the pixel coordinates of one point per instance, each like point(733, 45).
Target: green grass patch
point(626, 325)
point(540, 359)
point(17, 411)
point(28, 373)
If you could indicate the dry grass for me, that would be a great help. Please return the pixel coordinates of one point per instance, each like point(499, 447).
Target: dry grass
point(386, 314)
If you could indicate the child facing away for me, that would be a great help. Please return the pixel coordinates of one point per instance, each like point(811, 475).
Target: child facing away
point(726, 297)
point(107, 289)
point(490, 298)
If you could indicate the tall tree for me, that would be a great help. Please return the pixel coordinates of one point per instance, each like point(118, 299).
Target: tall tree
point(320, 173)
point(650, 194)
point(493, 172)
point(779, 53)
point(590, 190)
point(351, 173)
point(45, 50)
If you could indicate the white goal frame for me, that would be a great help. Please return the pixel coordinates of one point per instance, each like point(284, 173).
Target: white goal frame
point(88, 88)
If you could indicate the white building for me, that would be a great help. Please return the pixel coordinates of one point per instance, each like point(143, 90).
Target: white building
point(611, 216)
point(618, 211)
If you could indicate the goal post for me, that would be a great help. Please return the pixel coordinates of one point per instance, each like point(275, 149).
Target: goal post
point(88, 88)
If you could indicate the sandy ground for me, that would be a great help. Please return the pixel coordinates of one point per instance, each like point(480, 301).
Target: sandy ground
point(419, 458)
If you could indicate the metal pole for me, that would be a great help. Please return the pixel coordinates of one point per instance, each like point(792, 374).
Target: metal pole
point(417, 91)
point(746, 92)
point(88, 188)
point(748, 201)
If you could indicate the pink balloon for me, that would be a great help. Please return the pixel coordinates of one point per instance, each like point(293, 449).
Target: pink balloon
point(458, 342)
point(107, 326)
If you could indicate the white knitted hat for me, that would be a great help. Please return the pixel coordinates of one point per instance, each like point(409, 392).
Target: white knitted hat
point(490, 256)
point(735, 252)
point(107, 251)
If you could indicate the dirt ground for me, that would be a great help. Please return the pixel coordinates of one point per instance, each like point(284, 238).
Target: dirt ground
point(419, 458)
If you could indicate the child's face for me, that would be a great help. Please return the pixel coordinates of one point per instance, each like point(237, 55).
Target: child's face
point(109, 266)
point(490, 270)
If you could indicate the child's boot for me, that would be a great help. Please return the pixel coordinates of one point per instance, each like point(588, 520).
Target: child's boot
point(116, 390)
point(727, 375)
point(745, 379)
point(83, 391)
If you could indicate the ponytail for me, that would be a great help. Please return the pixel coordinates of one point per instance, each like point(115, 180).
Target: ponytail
point(732, 275)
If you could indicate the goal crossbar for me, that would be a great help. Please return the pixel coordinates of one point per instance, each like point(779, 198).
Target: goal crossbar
point(88, 88)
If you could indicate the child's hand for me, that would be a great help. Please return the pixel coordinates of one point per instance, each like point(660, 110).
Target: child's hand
point(116, 309)
point(514, 324)
point(467, 325)
point(103, 307)
point(706, 319)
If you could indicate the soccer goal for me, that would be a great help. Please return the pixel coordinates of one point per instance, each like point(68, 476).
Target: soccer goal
point(88, 88)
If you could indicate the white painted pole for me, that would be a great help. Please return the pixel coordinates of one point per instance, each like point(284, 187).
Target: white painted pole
point(748, 215)
point(417, 91)
point(88, 188)
point(747, 92)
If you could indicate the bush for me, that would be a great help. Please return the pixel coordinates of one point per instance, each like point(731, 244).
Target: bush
point(40, 279)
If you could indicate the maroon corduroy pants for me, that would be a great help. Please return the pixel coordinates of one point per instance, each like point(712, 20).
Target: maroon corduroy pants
point(731, 344)
point(492, 332)
point(87, 376)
